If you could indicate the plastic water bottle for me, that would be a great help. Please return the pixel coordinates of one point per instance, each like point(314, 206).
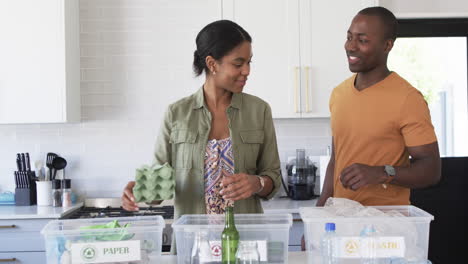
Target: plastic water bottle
point(369, 245)
point(328, 244)
point(201, 250)
point(403, 261)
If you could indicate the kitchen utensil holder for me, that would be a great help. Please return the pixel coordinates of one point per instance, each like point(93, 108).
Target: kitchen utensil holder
point(44, 193)
point(24, 195)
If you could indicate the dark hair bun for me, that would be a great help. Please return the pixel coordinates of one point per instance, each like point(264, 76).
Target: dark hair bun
point(198, 64)
point(217, 39)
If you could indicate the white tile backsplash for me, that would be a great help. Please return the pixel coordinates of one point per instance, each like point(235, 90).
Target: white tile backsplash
point(122, 76)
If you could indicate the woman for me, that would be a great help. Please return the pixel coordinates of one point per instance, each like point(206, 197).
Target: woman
point(220, 141)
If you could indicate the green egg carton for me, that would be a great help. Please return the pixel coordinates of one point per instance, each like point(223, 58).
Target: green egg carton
point(154, 183)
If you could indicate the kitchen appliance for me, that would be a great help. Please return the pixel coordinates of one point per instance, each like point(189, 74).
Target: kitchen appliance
point(323, 165)
point(112, 207)
point(301, 177)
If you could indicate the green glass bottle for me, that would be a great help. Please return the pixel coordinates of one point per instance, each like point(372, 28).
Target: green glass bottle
point(229, 238)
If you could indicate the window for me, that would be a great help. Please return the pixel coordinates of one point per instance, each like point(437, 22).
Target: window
point(432, 54)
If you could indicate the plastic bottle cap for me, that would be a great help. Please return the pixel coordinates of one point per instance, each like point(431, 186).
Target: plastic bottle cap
point(330, 227)
point(368, 230)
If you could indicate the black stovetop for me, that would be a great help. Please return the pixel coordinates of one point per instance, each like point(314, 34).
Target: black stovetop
point(167, 212)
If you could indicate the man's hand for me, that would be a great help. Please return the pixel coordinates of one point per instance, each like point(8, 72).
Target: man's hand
point(359, 175)
point(239, 186)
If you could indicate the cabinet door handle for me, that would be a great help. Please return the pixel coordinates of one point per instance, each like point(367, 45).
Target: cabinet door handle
point(8, 260)
point(7, 226)
point(306, 71)
point(296, 87)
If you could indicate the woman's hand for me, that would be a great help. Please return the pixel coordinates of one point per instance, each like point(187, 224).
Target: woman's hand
point(128, 200)
point(239, 186)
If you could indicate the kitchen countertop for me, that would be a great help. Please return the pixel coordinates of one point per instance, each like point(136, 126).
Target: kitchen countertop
point(286, 205)
point(294, 257)
point(35, 212)
point(275, 205)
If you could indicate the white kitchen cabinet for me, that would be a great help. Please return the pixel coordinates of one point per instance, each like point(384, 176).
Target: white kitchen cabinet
point(298, 48)
point(39, 66)
point(323, 36)
point(179, 22)
point(38, 257)
point(275, 71)
point(21, 241)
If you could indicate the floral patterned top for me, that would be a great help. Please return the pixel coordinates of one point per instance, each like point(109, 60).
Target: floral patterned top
point(219, 162)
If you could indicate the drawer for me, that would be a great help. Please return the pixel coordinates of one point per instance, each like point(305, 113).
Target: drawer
point(23, 257)
point(294, 248)
point(22, 235)
point(20, 225)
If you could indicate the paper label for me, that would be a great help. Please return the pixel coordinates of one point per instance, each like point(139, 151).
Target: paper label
point(101, 252)
point(357, 247)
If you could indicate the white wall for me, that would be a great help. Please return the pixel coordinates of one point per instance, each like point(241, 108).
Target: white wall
point(425, 8)
point(131, 52)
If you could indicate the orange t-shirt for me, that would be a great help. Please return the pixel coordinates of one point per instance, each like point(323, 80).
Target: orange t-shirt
point(373, 127)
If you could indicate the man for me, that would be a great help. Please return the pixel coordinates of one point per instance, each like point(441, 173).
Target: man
point(378, 121)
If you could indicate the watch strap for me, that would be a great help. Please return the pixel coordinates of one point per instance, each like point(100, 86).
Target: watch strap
point(389, 178)
point(262, 184)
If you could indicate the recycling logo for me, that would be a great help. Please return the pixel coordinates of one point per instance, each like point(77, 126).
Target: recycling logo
point(88, 253)
point(216, 250)
point(351, 247)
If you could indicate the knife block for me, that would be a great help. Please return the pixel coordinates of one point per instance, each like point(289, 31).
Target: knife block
point(26, 196)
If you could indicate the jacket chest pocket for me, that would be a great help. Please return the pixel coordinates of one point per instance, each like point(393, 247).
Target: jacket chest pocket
point(250, 147)
point(183, 142)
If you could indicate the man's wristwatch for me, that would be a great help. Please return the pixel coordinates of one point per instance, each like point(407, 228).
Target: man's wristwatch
point(390, 171)
point(262, 184)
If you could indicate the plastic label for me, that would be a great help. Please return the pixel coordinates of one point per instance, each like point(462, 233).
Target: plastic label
point(101, 252)
point(216, 251)
point(358, 247)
